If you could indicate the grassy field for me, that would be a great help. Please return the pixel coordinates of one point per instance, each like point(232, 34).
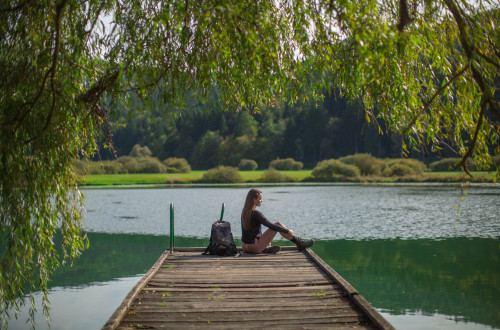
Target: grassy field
point(459, 176)
point(154, 178)
point(140, 178)
point(254, 176)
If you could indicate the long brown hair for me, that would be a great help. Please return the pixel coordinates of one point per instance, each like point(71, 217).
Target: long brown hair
point(246, 214)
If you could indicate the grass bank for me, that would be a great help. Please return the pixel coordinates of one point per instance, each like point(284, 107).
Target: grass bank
point(254, 176)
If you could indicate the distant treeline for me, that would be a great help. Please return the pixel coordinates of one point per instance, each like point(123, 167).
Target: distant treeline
point(308, 133)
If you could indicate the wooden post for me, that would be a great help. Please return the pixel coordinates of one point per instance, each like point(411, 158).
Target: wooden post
point(222, 212)
point(172, 234)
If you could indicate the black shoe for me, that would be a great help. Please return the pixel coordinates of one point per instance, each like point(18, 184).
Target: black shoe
point(303, 244)
point(272, 249)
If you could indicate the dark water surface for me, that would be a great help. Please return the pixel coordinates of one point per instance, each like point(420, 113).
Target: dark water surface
point(405, 249)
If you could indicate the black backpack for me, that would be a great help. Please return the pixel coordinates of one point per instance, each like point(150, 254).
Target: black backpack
point(221, 240)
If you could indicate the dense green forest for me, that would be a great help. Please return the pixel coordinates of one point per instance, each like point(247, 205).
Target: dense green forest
point(307, 132)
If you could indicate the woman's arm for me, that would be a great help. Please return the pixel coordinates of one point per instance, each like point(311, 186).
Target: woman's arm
point(263, 220)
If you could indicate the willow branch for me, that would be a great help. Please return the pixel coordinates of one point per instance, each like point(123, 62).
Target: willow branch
point(455, 11)
point(96, 18)
point(96, 91)
point(148, 85)
point(34, 102)
point(16, 8)
point(494, 105)
point(458, 74)
point(476, 75)
point(59, 9)
point(91, 99)
point(474, 139)
point(52, 70)
point(404, 15)
point(489, 60)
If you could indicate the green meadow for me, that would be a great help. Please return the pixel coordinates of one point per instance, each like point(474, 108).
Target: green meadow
point(255, 176)
point(168, 178)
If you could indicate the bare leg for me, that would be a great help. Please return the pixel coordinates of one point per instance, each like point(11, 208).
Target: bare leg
point(260, 243)
point(263, 242)
point(285, 235)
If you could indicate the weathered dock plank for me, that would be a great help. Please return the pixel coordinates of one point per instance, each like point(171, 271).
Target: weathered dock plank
point(290, 289)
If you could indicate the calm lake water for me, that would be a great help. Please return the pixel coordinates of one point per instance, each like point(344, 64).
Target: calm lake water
point(422, 256)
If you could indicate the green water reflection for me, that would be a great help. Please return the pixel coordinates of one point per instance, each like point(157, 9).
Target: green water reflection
point(457, 277)
point(112, 256)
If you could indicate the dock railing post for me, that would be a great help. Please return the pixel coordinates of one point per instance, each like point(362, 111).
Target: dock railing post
point(172, 233)
point(222, 212)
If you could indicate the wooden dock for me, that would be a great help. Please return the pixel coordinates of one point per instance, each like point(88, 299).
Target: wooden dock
point(289, 289)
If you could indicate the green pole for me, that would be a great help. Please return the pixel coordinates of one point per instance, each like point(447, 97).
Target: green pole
point(172, 235)
point(222, 212)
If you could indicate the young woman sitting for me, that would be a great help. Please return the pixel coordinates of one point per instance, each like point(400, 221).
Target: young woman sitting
point(253, 240)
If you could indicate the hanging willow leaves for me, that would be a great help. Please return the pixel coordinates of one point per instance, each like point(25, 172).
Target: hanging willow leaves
point(429, 68)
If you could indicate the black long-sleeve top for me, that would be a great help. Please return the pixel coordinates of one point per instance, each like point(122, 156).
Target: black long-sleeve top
point(257, 219)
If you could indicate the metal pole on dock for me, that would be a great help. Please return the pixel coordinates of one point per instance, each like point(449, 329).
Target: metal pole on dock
point(172, 235)
point(222, 212)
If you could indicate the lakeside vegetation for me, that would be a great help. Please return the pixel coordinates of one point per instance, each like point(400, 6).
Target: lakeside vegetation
point(253, 176)
point(141, 168)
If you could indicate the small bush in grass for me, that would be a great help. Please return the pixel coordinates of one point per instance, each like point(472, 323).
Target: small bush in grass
point(138, 151)
point(113, 167)
point(247, 165)
point(399, 169)
point(95, 168)
point(416, 166)
point(496, 164)
point(496, 161)
point(80, 166)
point(173, 180)
point(151, 165)
point(177, 165)
point(275, 176)
point(367, 164)
point(450, 164)
point(287, 164)
point(332, 169)
point(445, 164)
point(130, 164)
point(222, 174)
point(88, 167)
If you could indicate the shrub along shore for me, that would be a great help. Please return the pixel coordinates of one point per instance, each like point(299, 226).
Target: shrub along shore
point(141, 168)
point(302, 176)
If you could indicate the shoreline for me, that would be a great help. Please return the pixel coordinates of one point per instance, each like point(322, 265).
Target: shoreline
point(291, 184)
point(288, 178)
